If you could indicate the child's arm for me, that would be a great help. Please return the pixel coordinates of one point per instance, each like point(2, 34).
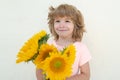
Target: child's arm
point(39, 74)
point(85, 73)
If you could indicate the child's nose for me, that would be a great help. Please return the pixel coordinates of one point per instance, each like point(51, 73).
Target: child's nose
point(62, 24)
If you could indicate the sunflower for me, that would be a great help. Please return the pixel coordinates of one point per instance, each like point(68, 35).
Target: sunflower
point(44, 51)
point(57, 67)
point(70, 52)
point(30, 48)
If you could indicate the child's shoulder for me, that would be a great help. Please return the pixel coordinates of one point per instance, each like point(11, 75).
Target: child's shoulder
point(80, 45)
point(82, 49)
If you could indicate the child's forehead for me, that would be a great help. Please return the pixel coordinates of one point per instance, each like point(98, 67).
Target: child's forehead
point(62, 17)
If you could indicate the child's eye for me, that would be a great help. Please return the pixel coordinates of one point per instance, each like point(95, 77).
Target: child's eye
point(67, 21)
point(57, 21)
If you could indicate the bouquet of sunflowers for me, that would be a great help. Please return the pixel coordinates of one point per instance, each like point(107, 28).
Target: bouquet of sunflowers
point(56, 65)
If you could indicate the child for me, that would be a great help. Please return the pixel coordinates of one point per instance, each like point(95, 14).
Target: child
point(67, 26)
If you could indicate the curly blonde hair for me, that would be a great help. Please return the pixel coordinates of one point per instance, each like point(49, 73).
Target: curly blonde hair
point(71, 12)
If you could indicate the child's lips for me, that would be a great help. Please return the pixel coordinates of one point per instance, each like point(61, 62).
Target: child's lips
point(62, 30)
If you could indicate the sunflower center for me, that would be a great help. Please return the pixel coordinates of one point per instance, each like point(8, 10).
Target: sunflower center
point(57, 64)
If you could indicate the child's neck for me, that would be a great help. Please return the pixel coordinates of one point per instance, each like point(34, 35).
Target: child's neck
point(64, 42)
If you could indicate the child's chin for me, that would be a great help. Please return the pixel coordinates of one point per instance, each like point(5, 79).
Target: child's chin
point(64, 36)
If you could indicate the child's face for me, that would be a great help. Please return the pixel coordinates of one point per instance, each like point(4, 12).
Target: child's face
point(64, 27)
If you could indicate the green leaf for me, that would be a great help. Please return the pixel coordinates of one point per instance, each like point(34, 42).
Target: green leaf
point(62, 52)
point(43, 40)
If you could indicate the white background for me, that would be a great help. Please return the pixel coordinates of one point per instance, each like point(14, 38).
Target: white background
point(20, 19)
